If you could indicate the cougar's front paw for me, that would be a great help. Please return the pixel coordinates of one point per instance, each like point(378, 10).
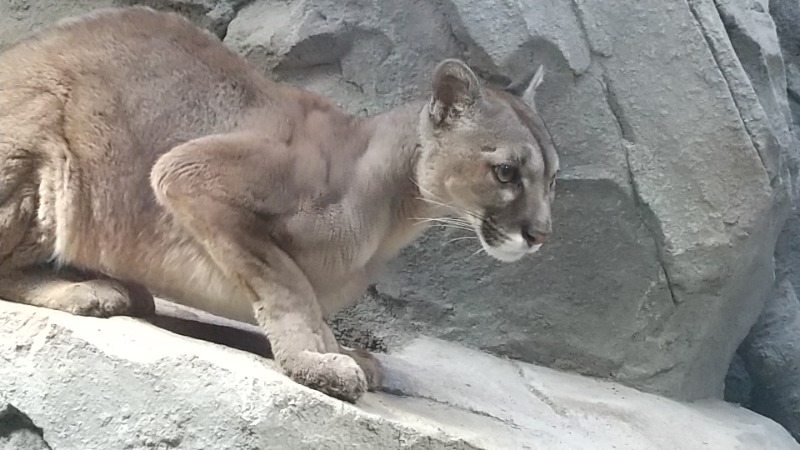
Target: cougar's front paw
point(333, 374)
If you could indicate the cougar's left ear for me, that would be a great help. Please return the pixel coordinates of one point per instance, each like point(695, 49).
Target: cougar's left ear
point(528, 91)
point(456, 90)
point(537, 79)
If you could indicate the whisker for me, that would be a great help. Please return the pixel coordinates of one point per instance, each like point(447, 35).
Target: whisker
point(476, 252)
point(422, 189)
point(463, 225)
point(455, 227)
point(454, 208)
point(437, 201)
point(458, 239)
point(452, 227)
point(443, 219)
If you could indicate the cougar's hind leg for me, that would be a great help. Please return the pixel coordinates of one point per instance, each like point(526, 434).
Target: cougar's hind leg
point(26, 243)
point(67, 291)
point(18, 198)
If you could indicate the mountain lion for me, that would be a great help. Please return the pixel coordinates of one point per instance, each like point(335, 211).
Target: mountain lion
point(140, 155)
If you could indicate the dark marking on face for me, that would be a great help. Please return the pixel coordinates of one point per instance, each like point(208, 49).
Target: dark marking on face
point(491, 234)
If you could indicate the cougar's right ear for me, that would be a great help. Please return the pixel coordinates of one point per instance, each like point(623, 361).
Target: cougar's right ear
point(456, 90)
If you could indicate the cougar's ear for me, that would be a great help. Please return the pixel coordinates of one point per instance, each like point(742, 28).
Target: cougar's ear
point(456, 90)
point(528, 91)
point(537, 79)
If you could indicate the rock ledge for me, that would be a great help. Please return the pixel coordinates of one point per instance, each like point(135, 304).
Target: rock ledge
point(127, 384)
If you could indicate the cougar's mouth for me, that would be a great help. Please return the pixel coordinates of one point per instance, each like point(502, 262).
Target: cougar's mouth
point(503, 246)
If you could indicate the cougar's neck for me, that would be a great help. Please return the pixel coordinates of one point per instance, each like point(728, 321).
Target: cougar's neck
point(389, 168)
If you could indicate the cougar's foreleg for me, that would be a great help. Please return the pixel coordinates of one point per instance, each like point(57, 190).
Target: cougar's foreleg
point(220, 190)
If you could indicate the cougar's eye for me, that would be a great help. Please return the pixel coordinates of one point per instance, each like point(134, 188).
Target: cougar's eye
point(506, 173)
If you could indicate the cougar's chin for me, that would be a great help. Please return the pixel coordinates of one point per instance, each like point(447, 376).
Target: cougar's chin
point(503, 247)
point(502, 255)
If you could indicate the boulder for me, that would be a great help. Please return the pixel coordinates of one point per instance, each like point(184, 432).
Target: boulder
point(21, 17)
point(213, 15)
point(125, 383)
point(738, 382)
point(786, 15)
point(767, 42)
point(771, 354)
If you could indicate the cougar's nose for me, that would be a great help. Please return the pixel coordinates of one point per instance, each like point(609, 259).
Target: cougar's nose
point(534, 236)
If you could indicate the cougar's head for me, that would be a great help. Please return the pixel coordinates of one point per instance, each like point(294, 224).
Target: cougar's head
point(487, 158)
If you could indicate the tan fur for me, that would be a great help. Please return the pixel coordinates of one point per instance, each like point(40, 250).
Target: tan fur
point(138, 154)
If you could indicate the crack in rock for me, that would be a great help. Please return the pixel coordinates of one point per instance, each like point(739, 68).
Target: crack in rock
point(469, 410)
point(737, 101)
point(629, 140)
point(541, 395)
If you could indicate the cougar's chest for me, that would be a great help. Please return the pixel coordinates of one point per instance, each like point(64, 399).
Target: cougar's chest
point(335, 243)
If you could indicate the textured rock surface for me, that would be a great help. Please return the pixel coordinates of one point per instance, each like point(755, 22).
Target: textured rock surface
point(20, 17)
point(214, 15)
point(787, 15)
point(738, 382)
point(772, 355)
point(766, 39)
point(17, 431)
point(123, 383)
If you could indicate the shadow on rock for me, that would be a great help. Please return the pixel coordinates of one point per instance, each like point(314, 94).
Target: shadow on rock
point(200, 325)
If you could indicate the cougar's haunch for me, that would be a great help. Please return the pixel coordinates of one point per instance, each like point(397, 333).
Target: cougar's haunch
point(138, 154)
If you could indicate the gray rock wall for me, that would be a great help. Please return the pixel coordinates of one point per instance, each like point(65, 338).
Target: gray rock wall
point(767, 40)
point(786, 14)
point(675, 141)
point(771, 354)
